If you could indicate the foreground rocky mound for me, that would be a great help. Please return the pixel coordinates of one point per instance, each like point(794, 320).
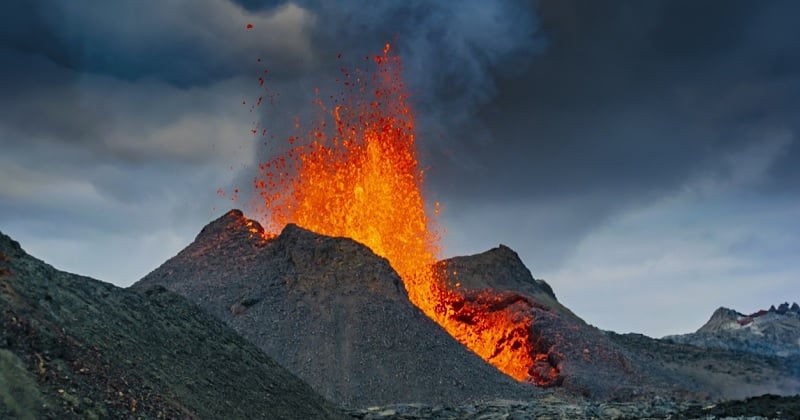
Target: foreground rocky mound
point(773, 332)
point(74, 347)
point(330, 311)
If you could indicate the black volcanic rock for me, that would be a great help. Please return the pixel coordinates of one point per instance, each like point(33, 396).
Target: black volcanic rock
point(330, 311)
point(75, 347)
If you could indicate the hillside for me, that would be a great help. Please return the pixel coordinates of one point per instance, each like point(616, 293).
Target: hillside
point(75, 347)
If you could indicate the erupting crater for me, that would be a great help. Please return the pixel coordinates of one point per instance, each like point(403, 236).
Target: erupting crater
point(356, 174)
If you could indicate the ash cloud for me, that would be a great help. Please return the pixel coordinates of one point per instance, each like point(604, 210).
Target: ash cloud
point(683, 109)
point(452, 54)
point(636, 97)
point(450, 50)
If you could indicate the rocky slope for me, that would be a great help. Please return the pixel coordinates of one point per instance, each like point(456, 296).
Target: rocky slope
point(330, 311)
point(74, 347)
point(718, 374)
point(587, 361)
point(605, 365)
point(773, 332)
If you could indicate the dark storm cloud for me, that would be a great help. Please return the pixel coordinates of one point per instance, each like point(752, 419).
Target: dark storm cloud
point(625, 149)
point(633, 98)
point(448, 48)
point(184, 43)
point(118, 122)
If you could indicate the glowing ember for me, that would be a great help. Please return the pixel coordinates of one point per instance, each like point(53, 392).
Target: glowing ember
point(356, 174)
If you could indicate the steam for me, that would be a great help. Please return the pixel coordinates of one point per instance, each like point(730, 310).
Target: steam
point(451, 51)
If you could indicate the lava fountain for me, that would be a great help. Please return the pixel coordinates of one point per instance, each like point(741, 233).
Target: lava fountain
point(356, 174)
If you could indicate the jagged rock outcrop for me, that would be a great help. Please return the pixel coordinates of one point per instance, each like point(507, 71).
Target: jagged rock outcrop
point(75, 347)
point(330, 311)
point(774, 332)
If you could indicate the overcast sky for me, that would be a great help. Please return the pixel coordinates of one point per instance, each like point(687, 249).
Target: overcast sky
point(641, 157)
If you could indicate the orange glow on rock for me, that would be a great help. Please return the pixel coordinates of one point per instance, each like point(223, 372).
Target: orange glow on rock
point(356, 174)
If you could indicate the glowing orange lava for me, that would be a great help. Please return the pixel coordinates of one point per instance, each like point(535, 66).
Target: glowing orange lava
point(356, 174)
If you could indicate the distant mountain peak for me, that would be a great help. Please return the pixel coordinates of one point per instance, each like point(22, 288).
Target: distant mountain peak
point(724, 318)
point(775, 331)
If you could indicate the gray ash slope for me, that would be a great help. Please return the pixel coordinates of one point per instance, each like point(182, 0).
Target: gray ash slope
point(75, 347)
point(330, 311)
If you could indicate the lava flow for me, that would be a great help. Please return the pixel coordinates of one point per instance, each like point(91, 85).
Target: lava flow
point(356, 174)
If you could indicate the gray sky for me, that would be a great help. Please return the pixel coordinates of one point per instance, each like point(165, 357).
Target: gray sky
point(642, 157)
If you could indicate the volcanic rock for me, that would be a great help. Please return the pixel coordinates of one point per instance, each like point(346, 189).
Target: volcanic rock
point(75, 347)
point(330, 311)
point(774, 332)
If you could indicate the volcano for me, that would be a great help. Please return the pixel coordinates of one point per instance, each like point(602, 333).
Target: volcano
point(330, 311)
point(71, 346)
point(344, 289)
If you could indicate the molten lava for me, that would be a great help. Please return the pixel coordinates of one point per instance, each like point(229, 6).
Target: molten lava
point(356, 174)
